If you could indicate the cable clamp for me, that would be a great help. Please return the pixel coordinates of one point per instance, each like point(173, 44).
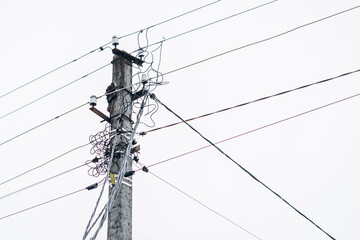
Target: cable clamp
point(91, 187)
point(136, 158)
point(135, 149)
point(145, 169)
point(129, 174)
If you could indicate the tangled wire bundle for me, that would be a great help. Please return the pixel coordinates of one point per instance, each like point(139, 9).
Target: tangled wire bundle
point(101, 149)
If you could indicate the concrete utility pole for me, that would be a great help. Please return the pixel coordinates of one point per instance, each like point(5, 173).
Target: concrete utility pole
point(120, 108)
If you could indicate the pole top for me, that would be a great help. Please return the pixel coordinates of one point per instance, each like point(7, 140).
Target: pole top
point(127, 56)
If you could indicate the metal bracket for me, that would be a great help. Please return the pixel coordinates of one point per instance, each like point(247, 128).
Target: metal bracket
point(128, 57)
point(100, 114)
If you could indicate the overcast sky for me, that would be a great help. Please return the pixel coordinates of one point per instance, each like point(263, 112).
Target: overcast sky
point(312, 160)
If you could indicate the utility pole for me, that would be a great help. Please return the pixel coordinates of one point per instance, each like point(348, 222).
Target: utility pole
point(120, 108)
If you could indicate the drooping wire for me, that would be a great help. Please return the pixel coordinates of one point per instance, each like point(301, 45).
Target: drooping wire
point(49, 201)
point(101, 149)
point(144, 79)
point(244, 169)
point(254, 130)
point(254, 101)
point(204, 205)
point(42, 181)
point(43, 164)
point(101, 48)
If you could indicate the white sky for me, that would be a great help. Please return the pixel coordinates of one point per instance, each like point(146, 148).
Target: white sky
point(312, 160)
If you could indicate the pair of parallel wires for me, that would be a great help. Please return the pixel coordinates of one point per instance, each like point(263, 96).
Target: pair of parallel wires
point(181, 68)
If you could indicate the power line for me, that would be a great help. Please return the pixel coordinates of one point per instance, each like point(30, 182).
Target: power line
point(44, 123)
point(201, 61)
point(209, 24)
point(43, 164)
point(245, 170)
point(205, 206)
point(42, 181)
point(9, 113)
point(253, 130)
point(49, 93)
point(90, 187)
point(190, 119)
point(261, 41)
point(183, 14)
point(102, 48)
point(165, 21)
point(254, 101)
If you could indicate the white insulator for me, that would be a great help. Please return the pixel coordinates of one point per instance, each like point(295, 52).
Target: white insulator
point(115, 40)
point(93, 100)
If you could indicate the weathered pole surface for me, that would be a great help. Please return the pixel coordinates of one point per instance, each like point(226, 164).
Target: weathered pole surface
point(120, 108)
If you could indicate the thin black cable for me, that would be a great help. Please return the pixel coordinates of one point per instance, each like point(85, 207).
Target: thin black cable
point(49, 201)
point(101, 48)
point(44, 123)
point(42, 181)
point(43, 164)
point(260, 41)
point(254, 101)
point(246, 171)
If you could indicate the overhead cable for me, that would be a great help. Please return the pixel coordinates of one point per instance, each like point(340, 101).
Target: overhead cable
point(205, 206)
point(204, 60)
point(54, 91)
point(253, 130)
point(102, 48)
point(42, 181)
point(44, 123)
point(262, 40)
point(90, 187)
point(190, 119)
point(43, 164)
point(245, 170)
point(15, 110)
point(211, 23)
point(62, 114)
point(254, 101)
